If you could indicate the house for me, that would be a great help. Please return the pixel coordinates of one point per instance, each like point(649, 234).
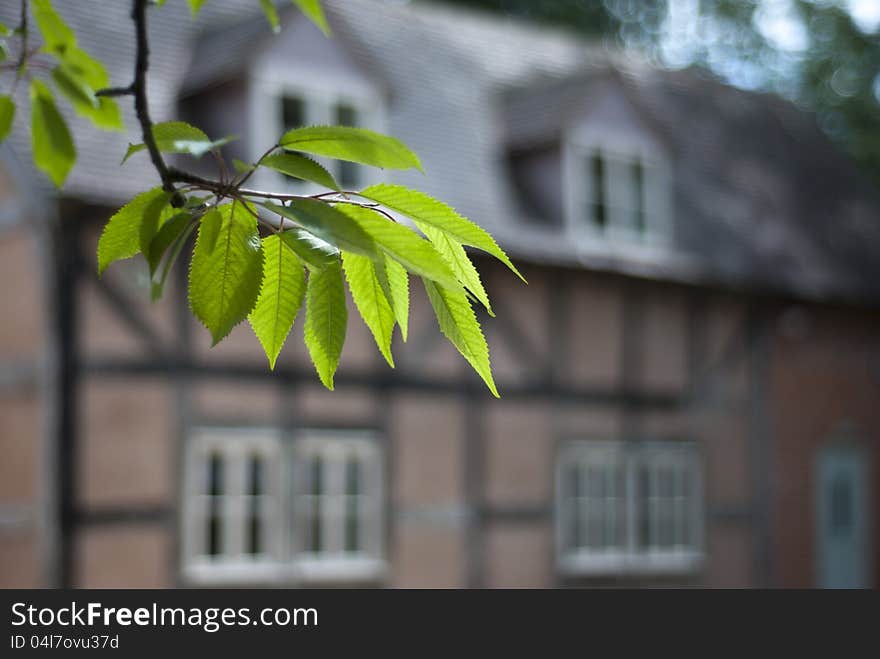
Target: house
point(689, 381)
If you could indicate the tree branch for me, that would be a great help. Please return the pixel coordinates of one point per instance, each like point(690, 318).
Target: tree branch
point(139, 88)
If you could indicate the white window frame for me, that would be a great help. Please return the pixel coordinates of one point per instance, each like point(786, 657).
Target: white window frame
point(269, 83)
point(628, 558)
point(284, 560)
point(616, 237)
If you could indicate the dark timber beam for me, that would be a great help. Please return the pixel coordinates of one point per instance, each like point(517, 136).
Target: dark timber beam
point(256, 371)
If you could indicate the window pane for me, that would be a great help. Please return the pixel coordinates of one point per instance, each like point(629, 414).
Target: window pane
point(638, 193)
point(214, 540)
point(317, 489)
point(596, 171)
point(353, 490)
point(255, 490)
point(293, 113)
point(347, 115)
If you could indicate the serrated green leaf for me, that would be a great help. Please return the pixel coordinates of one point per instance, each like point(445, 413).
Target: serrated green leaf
point(121, 238)
point(180, 137)
point(459, 324)
point(165, 237)
point(397, 279)
point(52, 145)
point(7, 114)
point(313, 10)
point(209, 228)
point(425, 210)
point(402, 244)
point(157, 285)
point(225, 280)
point(194, 6)
point(281, 296)
point(453, 253)
point(370, 300)
point(326, 320)
point(358, 145)
point(271, 14)
point(314, 252)
point(300, 167)
point(58, 37)
point(328, 224)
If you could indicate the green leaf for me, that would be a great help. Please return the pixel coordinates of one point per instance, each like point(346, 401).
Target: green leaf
point(121, 238)
point(300, 167)
point(4, 30)
point(194, 6)
point(158, 285)
point(281, 296)
point(328, 224)
point(370, 300)
point(402, 244)
point(314, 252)
point(52, 145)
point(426, 210)
point(209, 228)
point(312, 9)
point(165, 237)
point(180, 137)
point(271, 14)
point(225, 278)
point(397, 280)
point(242, 167)
point(459, 324)
point(358, 145)
point(453, 253)
point(7, 114)
point(56, 33)
point(102, 112)
point(326, 318)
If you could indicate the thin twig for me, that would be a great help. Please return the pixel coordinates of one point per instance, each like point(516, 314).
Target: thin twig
point(116, 91)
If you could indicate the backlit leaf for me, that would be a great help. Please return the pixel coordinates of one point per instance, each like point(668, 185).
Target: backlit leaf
point(326, 320)
point(225, 278)
point(459, 324)
point(300, 167)
point(7, 114)
point(52, 145)
point(402, 244)
point(426, 210)
point(328, 224)
point(180, 137)
point(310, 249)
point(121, 238)
point(281, 296)
point(271, 14)
point(397, 279)
point(358, 145)
point(315, 13)
point(370, 300)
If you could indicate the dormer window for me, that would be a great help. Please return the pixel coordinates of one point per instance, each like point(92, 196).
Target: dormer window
point(299, 108)
point(282, 99)
point(617, 192)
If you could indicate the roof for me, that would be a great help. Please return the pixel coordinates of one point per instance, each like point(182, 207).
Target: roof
point(762, 198)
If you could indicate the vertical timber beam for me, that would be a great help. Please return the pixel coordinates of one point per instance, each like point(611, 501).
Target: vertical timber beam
point(759, 441)
point(65, 242)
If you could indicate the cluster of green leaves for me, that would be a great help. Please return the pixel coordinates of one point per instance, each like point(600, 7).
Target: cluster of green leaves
point(74, 74)
point(261, 256)
point(314, 245)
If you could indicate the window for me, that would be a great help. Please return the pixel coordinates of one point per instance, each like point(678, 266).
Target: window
point(259, 509)
point(628, 507)
point(617, 193)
